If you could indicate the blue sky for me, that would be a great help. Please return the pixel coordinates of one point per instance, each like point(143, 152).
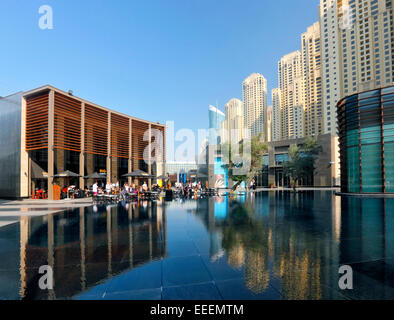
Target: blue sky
point(158, 60)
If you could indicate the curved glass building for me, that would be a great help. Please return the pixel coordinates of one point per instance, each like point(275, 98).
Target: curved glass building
point(366, 136)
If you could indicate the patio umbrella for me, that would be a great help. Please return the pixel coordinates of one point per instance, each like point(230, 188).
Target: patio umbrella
point(162, 177)
point(138, 174)
point(201, 175)
point(96, 176)
point(66, 174)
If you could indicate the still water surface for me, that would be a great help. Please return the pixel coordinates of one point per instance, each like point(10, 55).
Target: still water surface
point(268, 245)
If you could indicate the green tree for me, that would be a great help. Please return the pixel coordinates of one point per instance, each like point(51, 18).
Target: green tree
point(302, 160)
point(251, 164)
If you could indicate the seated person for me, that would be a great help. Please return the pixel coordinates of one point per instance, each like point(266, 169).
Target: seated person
point(133, 190)
point(64, 193)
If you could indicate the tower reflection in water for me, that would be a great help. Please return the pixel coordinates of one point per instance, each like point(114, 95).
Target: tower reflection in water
point(296, 242)
point(89, 245)
point(293, 243)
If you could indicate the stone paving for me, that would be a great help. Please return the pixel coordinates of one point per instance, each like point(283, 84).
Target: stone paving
point(10, 211)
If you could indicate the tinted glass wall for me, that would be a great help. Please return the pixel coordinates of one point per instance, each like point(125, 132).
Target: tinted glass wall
point(10, 146)
point(366, 135)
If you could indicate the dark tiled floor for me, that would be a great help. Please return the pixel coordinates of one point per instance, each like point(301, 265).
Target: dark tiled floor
point(145, 277)
point(237, 289)
point(184, 270)
point(148, 294)
point(220, 269)
point(281, 246)
point(202, 291)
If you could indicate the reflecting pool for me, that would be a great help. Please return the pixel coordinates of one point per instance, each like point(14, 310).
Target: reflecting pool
point(266, 245)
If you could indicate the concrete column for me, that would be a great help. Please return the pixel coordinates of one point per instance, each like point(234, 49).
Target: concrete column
point(130, 164)
point(164, 151)
point(30, 187)
point(135, 167)
point(109, 149)
point(271, 165)
point(150, 156)
point(59, 156)
point(25, 160)
point(150, 230)
point(51, 121)
point(82, 155)
point(271, 176)
point(114, 169)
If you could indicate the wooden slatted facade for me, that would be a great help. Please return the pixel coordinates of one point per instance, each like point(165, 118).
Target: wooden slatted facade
point(96, 130)
point(138, 144)
point(37, 122)
point(120, 136)
point(68, 126)
point(55, 120)
point(67, 123)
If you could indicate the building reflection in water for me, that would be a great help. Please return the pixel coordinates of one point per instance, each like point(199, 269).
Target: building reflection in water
point(292, 242)
point(297, 241)
point(87, 246)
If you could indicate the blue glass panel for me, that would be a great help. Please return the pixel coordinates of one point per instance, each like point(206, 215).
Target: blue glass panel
point(388, 90)
point(10, 145)
point(280, 158)
point(350, 107)
point(351, 98)
point(369, 94)
point(370, 135)
point(353, 169)
point(375, 101)
point(388, 130)
point(371, 164)
point(352, 138)
point(388, 104)
point(389, 166)
point(388, 97)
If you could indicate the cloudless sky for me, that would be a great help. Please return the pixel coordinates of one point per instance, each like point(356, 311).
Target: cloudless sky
point(153, 59)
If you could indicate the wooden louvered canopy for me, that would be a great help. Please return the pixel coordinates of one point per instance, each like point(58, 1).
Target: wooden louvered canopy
point(67, 123)
point(138, 144)
point(120, 136)
point(103, 132)
point(96, 130)
point(37, 122)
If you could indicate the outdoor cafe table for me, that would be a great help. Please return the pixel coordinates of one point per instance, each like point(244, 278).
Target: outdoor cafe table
point(40, 194)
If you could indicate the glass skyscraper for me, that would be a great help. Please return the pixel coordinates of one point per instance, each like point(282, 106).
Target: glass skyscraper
point(216, 117)
point(366, 134)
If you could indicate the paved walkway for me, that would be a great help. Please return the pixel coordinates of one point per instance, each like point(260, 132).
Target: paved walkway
point(301, 189)
point(261, 189)
point(10, 211)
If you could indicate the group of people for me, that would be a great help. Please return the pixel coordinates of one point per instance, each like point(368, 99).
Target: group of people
point(115, 189)
point(72, 192)
point(189, 189)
